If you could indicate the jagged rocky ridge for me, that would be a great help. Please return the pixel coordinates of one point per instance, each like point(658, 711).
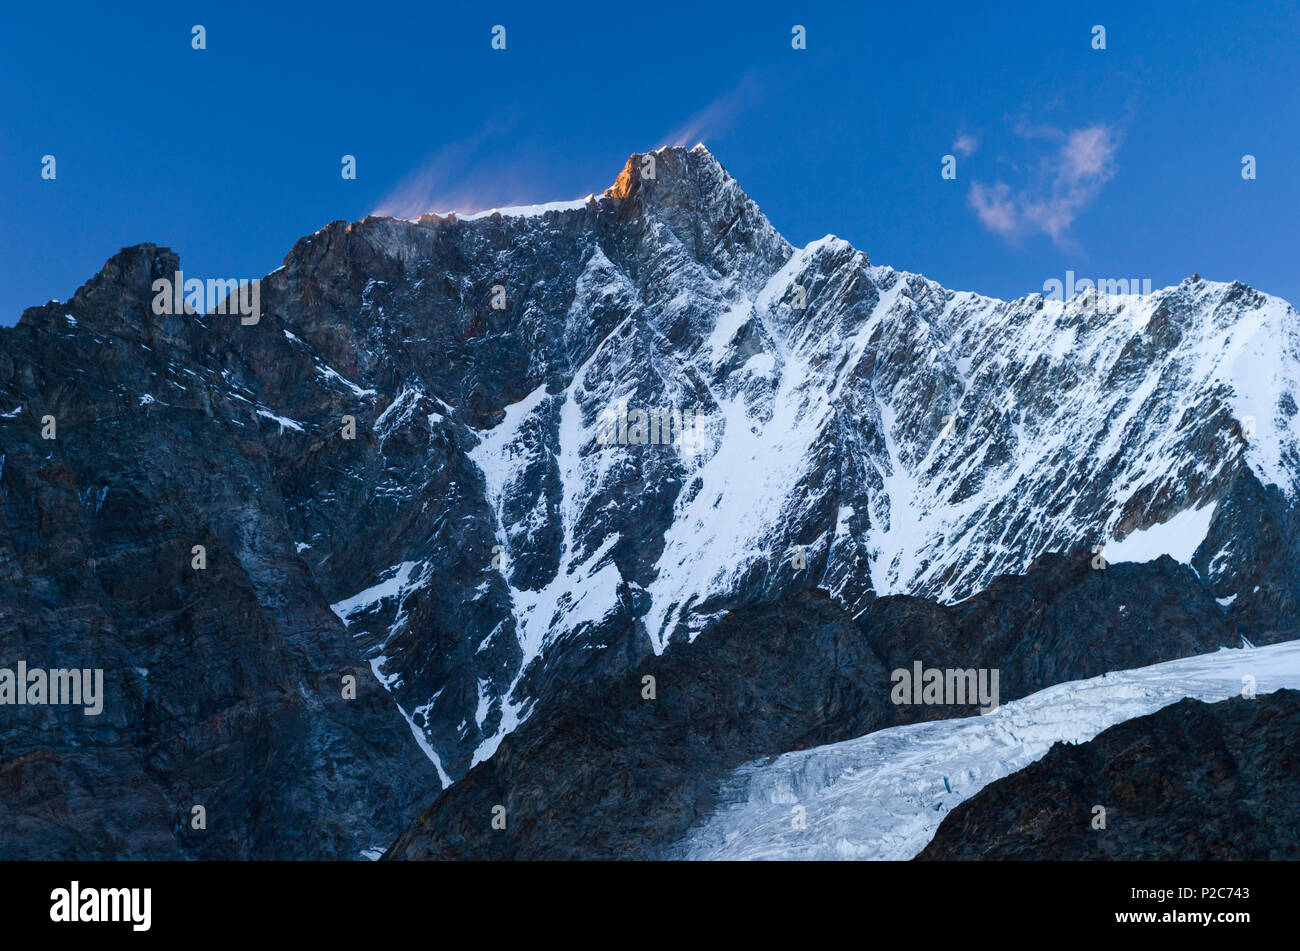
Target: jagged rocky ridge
point(486, 553)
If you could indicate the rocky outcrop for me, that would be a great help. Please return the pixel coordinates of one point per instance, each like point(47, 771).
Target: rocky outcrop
point(224, 686)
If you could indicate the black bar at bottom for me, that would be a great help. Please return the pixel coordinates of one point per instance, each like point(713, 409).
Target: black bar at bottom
point(381, 901)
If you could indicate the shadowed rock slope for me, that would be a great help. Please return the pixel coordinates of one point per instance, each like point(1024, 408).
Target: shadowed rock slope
point(606, 773)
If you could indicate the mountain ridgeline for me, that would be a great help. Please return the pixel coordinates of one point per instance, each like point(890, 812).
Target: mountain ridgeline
point(469, 481)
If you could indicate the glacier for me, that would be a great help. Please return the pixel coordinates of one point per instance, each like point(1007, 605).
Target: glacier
point(882, 796)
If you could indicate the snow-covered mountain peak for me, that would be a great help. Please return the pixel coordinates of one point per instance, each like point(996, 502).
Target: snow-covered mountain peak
point(653, 409)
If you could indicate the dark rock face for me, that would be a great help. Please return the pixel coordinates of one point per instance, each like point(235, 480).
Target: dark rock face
point(1062, 620)
point(605, 773)
point(1194, 781)
point(223, 687)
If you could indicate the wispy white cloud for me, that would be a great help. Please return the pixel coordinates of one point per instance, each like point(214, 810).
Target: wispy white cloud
point(1088, 153)
point(718, 116)
point(471, 174)
point(1066, 181)
point(476, 172)
point(965, 144)
point(995, 208)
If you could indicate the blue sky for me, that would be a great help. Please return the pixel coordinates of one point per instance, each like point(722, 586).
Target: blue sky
point(1117, 163)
